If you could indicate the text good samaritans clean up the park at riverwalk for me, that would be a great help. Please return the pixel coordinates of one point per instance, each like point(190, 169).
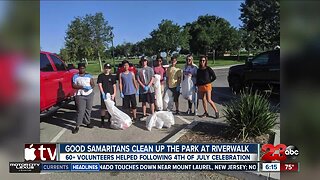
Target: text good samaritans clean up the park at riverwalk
point(149, 148)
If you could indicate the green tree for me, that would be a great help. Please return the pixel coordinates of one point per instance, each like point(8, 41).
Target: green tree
point(108, 53)
point(261, 20)
point(100, 34)
point(88, 37)
point(247, 39)
point(135, 51)
point(212, 34)
point(146, 47)
point(118, 51)
point(127, 49)
point(169, 36)
point(64, 55)
point(73, 40)
point(124, 49)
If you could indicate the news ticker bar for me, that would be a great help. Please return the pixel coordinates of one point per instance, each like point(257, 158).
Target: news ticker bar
point(37, 167)
point(159, 157)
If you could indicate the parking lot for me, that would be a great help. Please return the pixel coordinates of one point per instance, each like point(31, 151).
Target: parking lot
point(58, 127)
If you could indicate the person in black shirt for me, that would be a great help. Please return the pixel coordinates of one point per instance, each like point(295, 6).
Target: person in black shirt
point(107, 84)
point(205, 76)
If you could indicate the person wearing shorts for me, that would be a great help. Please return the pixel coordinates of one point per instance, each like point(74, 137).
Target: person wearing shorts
point(107, 84)
point(173, 81)
point(205, 76)
point(145, 79)
point(128, 90)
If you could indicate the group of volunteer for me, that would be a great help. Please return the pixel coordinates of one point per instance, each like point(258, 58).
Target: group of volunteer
point(160, 87)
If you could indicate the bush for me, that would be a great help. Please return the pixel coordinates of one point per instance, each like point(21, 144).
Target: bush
point(250, 115)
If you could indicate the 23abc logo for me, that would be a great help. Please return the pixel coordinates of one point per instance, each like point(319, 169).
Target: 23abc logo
point(280, 152)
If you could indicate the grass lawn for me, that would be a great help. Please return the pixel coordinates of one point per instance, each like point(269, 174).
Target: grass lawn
point(94, 68)
point(221, 62)
point(218, 62)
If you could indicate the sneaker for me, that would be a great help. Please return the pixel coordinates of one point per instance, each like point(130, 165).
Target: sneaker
point(177, 113)
point(89, 126)
point(144, 117)
point(189, 112)
point(75, 130)
point(217, 114)
point(204, 115)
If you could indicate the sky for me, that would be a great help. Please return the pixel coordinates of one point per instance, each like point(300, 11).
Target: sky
point(132, 20)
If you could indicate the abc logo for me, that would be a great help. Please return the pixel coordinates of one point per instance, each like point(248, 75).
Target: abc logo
point(280, 152)
point(291, 152)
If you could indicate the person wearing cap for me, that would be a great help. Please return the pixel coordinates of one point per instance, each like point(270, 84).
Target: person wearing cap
point(145, 79)
point(128, 89)
point(107, 84)
point(84, 84)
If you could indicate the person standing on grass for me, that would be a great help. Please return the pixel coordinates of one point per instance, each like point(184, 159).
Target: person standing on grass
point(145, 79)
point(190, 70)
point(173, 82)
point(84, 84)
point(107, 84)
point(205, 76)
point(128, 90)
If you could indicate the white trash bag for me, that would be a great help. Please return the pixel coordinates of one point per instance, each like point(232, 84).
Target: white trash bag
point(151, 121)
point(159, 123)
point(119, 119)
point(160, 119)
point(166, 117)
point(157, 90)
point(168, 100)
point(186, 88)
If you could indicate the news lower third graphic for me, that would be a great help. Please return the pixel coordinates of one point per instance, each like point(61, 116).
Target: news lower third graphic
point(102, 157)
